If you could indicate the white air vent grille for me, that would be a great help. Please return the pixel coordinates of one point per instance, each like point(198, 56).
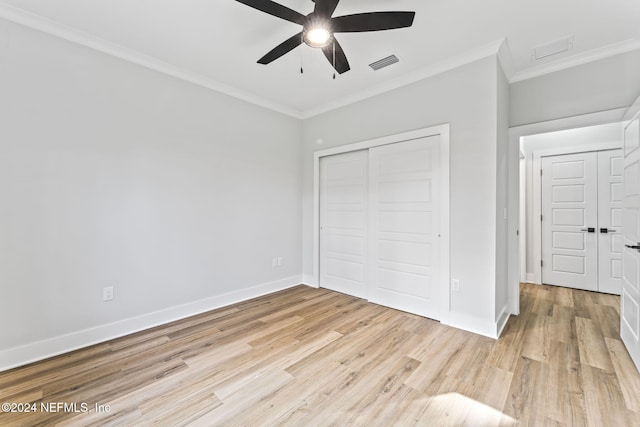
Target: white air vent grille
point(553, 48)
point(384, 62)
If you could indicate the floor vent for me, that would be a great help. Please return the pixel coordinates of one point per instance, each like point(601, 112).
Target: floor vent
point(384, 62)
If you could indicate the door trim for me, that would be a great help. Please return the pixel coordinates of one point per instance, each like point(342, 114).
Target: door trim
point(515, 135)
point(440, 130)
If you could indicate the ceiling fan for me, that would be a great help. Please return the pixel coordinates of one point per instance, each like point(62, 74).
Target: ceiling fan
point(319, 28)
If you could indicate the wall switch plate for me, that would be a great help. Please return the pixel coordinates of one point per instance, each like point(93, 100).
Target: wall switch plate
point(107, 293)
point(280, 261)
point(455, 285)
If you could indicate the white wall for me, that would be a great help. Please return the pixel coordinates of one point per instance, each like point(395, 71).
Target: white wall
point(502, 200)
point(115, 175)
point(465, 98)
point(570, 139)
point(602, 85)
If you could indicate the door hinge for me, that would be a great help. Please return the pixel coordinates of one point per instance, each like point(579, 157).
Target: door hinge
point(540, 171)
point(540, 218)
point(541, 263)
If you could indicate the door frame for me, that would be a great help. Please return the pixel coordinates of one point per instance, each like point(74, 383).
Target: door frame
point(440, 130)
point(515, 135)
point(537, 193)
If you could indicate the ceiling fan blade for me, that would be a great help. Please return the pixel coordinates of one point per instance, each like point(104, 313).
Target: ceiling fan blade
point(341, 63)
point(373, 21)
point(275, 9)
point(325, 8)
point(282, 49)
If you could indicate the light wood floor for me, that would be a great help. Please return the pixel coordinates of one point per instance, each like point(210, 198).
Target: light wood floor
point(306, 357)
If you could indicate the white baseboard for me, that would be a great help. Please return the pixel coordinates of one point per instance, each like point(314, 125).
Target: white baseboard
point(531, 278)
point(39, 350)
point(309, 280)
point(502, 321)
point(473, 324)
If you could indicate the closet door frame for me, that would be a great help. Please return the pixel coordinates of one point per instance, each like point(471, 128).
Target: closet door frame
point(537, 194)
point(443, 132)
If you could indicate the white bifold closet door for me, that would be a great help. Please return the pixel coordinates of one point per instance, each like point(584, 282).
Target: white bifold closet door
point(379, 225)
point(581, 221)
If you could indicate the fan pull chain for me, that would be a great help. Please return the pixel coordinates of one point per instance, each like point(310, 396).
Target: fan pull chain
point(334, 60)
point(301, 55)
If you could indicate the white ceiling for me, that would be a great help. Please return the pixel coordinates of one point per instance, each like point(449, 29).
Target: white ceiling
point(217, 42)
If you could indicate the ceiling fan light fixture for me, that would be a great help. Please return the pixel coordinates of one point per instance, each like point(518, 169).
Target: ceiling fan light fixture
point(317, 37)
point(319, 26)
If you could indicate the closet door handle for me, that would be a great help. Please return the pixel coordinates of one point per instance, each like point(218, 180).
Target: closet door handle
point(607, 230)
point(590, 229)
point(636, 247)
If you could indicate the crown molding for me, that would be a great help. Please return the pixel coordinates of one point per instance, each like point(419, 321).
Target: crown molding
point(482, 52)
point(500, 48)
point(506, 60)
point(48, 26)
point(633, 110)
point(578, 59)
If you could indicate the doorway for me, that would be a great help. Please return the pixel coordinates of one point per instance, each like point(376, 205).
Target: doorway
point(538, 148)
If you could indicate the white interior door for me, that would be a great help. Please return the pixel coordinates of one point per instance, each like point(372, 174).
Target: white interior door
point(630, 310)
point(569, 221)
point(343, 222)
point(610, 165)
point(405, 226)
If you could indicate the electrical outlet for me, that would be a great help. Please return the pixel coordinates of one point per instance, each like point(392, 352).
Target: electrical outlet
point(274, 262)
point(107, 293)
point(455, 285)
point(280, 261)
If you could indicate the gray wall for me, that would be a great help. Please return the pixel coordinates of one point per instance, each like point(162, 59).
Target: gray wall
point(466, 98)
point(607, 84)
point(502, 201)
point(115, 175)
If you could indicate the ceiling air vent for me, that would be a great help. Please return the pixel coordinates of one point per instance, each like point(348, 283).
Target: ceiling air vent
point(384, 62)
point(553, 48)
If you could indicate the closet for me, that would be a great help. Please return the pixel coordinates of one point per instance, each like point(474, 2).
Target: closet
point(380, 225)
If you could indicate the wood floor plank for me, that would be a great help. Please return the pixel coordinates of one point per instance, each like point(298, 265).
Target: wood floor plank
point(537, 344)
point(526, 399)
point(428, 377)
point(235, 404)
point(593, 349)
point(278, 362)
point(564, 405)
point(506, 351)
point(314, 357)
point(563, 324)
point(603, 396)
point(280, 406)
point(622, 363)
